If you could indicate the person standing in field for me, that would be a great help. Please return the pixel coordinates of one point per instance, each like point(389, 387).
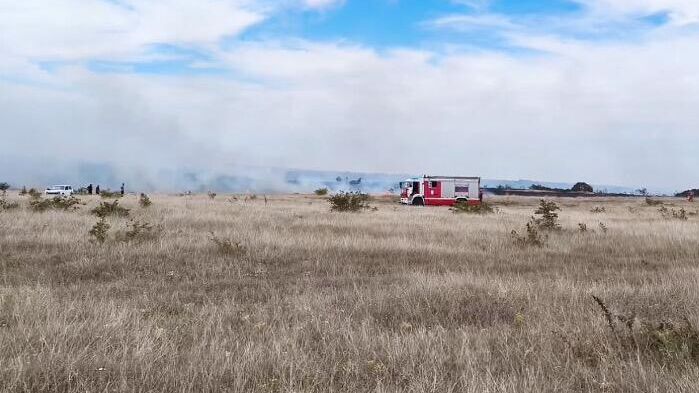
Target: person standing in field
point(97, 189)
point(122, 189)
point(89, 189)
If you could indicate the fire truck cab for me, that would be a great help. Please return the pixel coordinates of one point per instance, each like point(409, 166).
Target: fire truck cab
point(441, 191)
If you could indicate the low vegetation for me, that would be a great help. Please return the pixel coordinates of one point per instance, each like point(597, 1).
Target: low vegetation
point(349, 202)
point(144, 201)
point(106, 209)
point(107, 194)
point(321, 191)
point(38, 204)
point(194, 296)
point(464, 207)
point(99, 232)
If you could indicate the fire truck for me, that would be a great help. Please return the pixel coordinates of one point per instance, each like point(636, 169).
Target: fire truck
point(441, 191)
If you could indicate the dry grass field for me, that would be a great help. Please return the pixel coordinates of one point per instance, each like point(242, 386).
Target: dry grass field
point(284, 296)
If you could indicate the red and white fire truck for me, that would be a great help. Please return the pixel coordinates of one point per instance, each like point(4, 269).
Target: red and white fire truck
point(441, 191)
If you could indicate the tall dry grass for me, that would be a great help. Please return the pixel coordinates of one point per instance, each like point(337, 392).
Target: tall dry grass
point(302, 299)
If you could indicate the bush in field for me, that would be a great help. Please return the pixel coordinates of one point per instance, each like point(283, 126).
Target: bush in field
point(548, 219)
point(59, 203)
point(5, 205)
point(464, 207)
point(33, 193)
point(653, 202)
point(321, 191)
point(144, 201)
point(672, 213)
point(532, 238)
point(226, 246)
point(110, 209)
point(138, 231)
point(4, 187)
point(349, 202)
point(665, 341)
point(212, 195)
point(40, 205)
point(107, 194)
point(598, 209)
point(99, 231)
point(66, 203)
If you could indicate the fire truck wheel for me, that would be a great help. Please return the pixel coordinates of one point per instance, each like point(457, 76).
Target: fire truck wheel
point(418, 202)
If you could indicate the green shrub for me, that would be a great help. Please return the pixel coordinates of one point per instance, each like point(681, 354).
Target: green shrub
point(672, 213)
point(226, 246)
point(532, 238)
point(464, 207)
point(59, 203)
point(33, 193)
point(144, 201)
point(5, 205)
point(653, 202)
point(548, 219)
point(110, 209)
point(321, 191)
point(66, 203)
point(107, 194)
point(99, 231)
point(138, 231)
point(349, 202)
point(664, 341)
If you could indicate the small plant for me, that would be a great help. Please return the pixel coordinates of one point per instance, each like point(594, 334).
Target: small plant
point(665, 341)
point(39, 205)
point(212, 195)
point(5, 205)
point(4, 187)
point(60, 203)
point(672, 213)
point(582, 227)
point(321, 191)
point(138, 230)
point(598, 209)
point(652, 202)
point(226, 246)
point(144, 201)
point(33, 193)
point(465, 207)
point(549, 218)
point(65, 203)
point(533, 237)
point(603, 227)
point(99, 231)
point(349, 202)
point(107, 194)
point(110, 209)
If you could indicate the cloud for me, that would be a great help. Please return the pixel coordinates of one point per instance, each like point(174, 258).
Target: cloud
point(321, 4)
point(64, 30)
point(601, 111)
point(680, 12)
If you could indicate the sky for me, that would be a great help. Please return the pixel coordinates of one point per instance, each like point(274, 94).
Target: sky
point(604, 91)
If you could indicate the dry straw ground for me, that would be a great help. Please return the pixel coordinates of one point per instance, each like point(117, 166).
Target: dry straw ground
point(293, 298)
